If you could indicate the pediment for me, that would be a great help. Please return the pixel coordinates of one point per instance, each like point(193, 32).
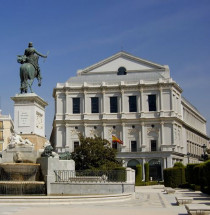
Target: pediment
point(121, 59)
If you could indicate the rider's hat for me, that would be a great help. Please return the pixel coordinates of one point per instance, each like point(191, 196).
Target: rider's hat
point(30, 44)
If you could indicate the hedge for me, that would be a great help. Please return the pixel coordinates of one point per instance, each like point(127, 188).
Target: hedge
point(138, 174)
point(174, 177)
point(149, 183)
point(146, 169)
point(190, 177)
point(206, 174)
point(119, 174)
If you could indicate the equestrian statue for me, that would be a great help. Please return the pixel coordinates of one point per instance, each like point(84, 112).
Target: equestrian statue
point(29, 68)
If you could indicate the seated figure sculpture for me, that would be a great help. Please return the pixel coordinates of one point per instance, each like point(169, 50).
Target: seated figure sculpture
point(17, 140)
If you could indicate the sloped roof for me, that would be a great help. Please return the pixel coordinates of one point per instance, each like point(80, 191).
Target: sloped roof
point(106, 70)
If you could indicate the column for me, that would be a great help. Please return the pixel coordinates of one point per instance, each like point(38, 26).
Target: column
point(56, 103)
point(140, 143)
point(57, 142)
point(104, 131)
point(67, 103)
point(162, 133)
point(143, 142)
point(85, 130)
point(67, 136)
point(103, 102)
point(141, 100)
point(173, 141)
point(165, 163)
point(172, 102)
point(84, 103)
point(143, 172)
point(161, 102)
point(123, 134)
point(138, 102)
point(122, 101)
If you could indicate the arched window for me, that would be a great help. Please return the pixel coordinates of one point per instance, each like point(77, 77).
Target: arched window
point(132, 163)
point(122, 71)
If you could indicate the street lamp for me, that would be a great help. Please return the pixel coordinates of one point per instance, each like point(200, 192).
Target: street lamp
point(204, 151)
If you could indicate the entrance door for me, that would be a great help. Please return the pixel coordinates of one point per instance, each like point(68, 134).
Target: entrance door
point(155, 170)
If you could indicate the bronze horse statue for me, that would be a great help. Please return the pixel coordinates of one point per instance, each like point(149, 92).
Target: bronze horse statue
point(29, 68)
point(27, 73)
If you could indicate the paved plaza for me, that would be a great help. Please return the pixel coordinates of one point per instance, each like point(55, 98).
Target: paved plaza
point(148, 201)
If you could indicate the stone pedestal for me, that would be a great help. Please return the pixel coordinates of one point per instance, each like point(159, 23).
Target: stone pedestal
point(29, 117)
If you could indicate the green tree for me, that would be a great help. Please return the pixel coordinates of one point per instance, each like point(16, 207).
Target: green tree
point(95, 153)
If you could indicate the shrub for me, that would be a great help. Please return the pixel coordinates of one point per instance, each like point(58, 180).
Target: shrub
point(189, 172)
point(206, 171)
point(149, 183)
point(120, 174)
point(138, 174)
point(174, 177)
point(196, 174)
point(146, 170)
point(179, 164)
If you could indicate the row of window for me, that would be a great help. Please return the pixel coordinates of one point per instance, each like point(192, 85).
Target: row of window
point(153, 145)
point(1, 125)
point(114, 104)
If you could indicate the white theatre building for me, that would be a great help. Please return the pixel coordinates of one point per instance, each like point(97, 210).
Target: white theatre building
point(138, 102)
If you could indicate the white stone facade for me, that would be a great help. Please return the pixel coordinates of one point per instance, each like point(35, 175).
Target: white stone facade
point(148, 113)
point(6, 129)
point(29, 114)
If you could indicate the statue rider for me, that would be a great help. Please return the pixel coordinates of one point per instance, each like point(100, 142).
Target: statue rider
point(33, 59)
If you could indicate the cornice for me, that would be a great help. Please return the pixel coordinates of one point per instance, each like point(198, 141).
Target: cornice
point(121, 54)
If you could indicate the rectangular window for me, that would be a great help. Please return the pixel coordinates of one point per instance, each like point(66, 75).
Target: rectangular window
point(76, 145)
point(113, 105)
point(1, 124)
point(114, 145)
point(152, 102)
point(76, 105)
point(94, 105)
point(153, 145)
point(132, 104)
point(1, 135)
point(133, 146)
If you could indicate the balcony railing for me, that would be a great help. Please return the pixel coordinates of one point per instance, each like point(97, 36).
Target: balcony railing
point(90, 176)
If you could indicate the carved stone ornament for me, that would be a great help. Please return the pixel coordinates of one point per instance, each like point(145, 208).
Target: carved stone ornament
point(132, 131)
point(39, 120)
point(113, 131)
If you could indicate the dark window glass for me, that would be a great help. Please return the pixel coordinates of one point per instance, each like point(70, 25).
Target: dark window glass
point(132, 104)
point(122, 71)
point(114, 145)
point(153, 145)
point(152, 102)
point(133, 146)
point(76, 105)
point(94, 105)
point(76, 145)
point(113, 105)
point(1, 135)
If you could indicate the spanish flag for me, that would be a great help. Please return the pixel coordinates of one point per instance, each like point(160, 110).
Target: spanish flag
point(115, 139)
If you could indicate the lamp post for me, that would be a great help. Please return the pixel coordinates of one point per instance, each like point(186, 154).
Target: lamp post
point(204, 151)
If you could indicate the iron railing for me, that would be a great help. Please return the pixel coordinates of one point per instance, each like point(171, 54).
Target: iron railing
point(90, 176)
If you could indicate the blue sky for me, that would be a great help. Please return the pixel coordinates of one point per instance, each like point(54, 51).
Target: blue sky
point(79, 33)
